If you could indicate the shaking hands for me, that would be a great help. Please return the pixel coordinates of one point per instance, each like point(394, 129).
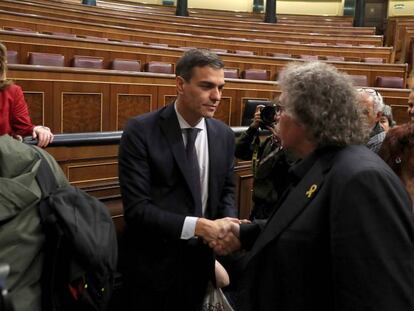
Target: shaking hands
point(222, 235)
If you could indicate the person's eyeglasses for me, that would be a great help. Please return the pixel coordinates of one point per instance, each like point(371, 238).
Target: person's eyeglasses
point(279, 109)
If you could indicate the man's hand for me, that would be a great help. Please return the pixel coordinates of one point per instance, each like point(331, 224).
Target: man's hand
point(229, 244)
point(256, 120)
point(212, 230)
point(275, 131)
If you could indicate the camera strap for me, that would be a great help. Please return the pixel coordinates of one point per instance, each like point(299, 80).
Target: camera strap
point(255, 156)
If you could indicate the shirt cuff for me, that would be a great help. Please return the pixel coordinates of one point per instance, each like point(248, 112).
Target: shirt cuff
point(189, 228)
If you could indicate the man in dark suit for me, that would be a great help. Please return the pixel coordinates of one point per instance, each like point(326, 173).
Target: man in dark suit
point(171, 194)
point(341, 237)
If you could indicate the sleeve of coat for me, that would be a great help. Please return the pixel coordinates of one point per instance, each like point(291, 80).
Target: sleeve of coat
point(21, 124)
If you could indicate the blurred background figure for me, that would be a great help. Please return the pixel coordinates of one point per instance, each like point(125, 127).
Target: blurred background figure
point(270, 162)
point(397, 151)
point(372, 105)
point(410, 109)
point(14, 114)
point(386, 120)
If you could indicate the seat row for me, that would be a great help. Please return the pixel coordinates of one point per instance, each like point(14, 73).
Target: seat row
point(84, 61)
point(218, 51)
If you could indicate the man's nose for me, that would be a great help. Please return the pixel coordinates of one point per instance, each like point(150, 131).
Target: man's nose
point(215, 94)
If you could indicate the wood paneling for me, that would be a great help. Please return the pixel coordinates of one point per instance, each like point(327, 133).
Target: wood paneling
point(81, 112)
point(86, 89)
point(36, 105)
point(130, 105)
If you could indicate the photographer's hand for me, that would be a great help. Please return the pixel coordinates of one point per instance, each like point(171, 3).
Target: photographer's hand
point(275, 131)
point(256, 121)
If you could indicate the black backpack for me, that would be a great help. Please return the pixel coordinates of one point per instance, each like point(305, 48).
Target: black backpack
point(80, 248)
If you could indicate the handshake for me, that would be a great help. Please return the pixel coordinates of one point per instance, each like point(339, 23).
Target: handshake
point(222, 235)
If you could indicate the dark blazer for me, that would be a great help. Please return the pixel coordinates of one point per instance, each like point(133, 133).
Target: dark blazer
point(347, 246)
point(157, 195)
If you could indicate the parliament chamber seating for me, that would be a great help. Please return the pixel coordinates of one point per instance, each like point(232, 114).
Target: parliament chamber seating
point(309, 57)
point(318, 44)
point(242, 52)
point(372, 60)
point(359, 80)
point(46, 59)
point(187, 48)
point(343, 44)
point(12, 57)
point(283, 55)
point(231, 73)
point(335, 58)
point(83, 61)
point(255, 74)
point(62, 34)
point(157, 44)
point(125, 64)
point(159, 67)
point(94, 38)
point(390, 82)
point(219, 51)
point(132, 42)
point(20, 29)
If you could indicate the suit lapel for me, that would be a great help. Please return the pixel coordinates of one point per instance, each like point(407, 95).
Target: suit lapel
point(296, 201)
point(172, 131)
point(214, 162)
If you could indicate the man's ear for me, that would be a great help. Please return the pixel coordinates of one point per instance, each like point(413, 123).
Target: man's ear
point(179, 83)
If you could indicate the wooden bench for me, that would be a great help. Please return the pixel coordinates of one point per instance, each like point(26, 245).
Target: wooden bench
point(260, 48)
point(69, 46)
point(145, 26)
point(315, 25)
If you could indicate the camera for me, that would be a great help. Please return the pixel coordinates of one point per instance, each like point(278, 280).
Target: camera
point(267, 114)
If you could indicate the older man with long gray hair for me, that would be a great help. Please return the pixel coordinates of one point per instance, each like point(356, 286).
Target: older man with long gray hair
point(342, 236)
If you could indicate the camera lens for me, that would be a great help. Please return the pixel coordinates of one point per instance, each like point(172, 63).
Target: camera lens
point(267, 114)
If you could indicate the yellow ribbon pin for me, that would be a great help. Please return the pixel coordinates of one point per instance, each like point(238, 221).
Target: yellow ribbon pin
point(311, 190)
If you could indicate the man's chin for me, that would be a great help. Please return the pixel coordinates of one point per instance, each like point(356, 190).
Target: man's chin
point(209, 115)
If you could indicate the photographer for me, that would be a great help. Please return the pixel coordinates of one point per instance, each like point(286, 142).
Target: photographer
point(270, 162)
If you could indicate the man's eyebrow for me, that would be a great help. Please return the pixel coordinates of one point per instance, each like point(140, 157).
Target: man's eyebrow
point(211, 84)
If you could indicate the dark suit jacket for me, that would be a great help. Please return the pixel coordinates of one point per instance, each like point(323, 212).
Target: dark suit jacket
point(157, 196)
point(347, 246)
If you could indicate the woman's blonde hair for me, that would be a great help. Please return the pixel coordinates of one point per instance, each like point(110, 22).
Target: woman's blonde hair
point(4, 82)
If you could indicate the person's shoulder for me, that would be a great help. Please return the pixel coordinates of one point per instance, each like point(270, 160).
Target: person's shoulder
point(14, 88)
point(220, 125)
point(354, 160)
point(143, 120)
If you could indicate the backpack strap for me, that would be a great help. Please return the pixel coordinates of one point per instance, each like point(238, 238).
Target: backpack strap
point(45, 177)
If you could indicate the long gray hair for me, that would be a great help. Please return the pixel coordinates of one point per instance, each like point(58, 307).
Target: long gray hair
point(324, 101)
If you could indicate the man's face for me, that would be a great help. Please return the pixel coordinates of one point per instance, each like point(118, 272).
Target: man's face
point(367, 104)
point(200, 96)
point(410, 109)
point(385, 124)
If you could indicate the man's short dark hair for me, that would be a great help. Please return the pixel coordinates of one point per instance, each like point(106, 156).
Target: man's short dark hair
point(196, 58)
